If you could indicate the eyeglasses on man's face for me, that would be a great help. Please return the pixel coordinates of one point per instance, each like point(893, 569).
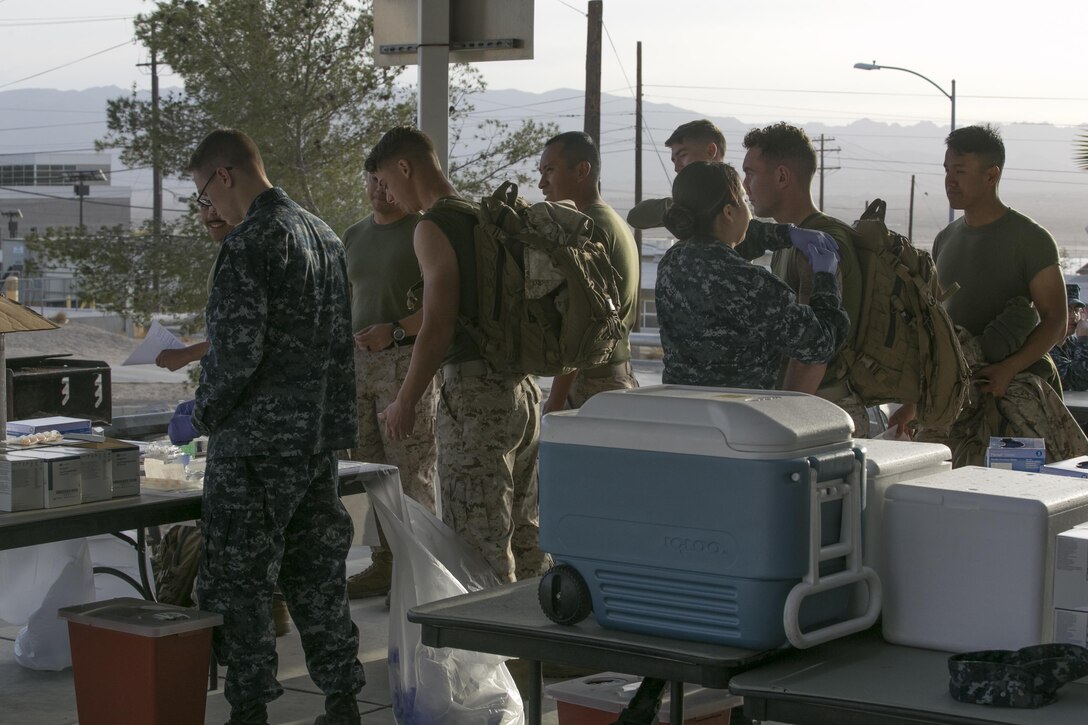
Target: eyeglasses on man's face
point(201, 198)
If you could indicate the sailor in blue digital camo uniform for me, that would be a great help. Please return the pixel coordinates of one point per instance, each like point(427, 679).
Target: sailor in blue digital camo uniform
point(277, 398)
point(1071, 354)
point(726, 322)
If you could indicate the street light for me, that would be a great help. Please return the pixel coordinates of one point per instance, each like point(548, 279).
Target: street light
point(950, 96)
point(13, 225)
point(81, 189)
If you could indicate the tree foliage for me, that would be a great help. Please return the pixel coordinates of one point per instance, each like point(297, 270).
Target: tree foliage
point(1082, 151)
point(133, 272)
point(298, 76)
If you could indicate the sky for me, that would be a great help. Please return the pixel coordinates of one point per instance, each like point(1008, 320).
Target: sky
point(758, 61)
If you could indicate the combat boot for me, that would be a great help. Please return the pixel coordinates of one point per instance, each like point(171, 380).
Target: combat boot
point(249, 715)
point(375, 580)
point(280, 616)
point(340, 710)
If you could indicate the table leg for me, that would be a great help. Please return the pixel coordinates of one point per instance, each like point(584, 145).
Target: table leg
point(534, 709)
point(676, 702)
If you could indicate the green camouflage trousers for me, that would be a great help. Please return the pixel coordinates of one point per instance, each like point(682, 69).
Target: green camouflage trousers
point(488, 436)
point(378, 377)
point(269, 518)
point(597, 380)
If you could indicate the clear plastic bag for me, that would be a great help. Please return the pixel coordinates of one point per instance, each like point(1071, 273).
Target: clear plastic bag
point(436, 686)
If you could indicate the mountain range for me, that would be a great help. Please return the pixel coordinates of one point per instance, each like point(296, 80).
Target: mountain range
point(862, 160)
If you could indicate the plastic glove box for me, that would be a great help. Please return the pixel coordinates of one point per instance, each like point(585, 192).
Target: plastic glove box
point(969, 557)
point(689, 512)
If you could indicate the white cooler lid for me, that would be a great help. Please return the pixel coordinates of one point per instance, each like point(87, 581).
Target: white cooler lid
point(724, 422)
point(993, 489)
point(887, 458)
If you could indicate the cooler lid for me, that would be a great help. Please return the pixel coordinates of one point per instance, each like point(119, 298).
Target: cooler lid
point(725, 422)
point(887, 458)
point(993, 489)
point(140, 617)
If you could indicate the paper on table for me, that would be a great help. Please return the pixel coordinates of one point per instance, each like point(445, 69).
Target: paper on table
point(158, 339)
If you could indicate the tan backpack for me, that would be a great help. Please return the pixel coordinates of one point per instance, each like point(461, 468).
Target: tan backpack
point(905, 347)
point(547, 295)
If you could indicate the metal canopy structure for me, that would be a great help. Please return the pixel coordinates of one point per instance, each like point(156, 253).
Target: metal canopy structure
point(435, 33)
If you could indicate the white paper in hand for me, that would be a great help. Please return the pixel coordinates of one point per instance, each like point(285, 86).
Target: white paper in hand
point(158, 339)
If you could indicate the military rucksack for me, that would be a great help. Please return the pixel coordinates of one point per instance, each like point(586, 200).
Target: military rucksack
point(548, 300)
point(905, 347)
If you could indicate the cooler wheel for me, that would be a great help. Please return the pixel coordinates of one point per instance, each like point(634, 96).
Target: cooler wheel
point(564, 595)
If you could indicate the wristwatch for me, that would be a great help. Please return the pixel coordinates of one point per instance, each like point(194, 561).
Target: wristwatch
point(398, 332)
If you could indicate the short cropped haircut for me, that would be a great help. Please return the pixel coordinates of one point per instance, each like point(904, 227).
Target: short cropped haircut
point(782, 143)
point(699, 192)
point(702, 131)
point(226, 147)
point(399, 143)
point(984, 140)
point(576, 147)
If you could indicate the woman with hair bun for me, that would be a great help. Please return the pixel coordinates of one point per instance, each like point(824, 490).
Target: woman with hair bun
point(726, 322)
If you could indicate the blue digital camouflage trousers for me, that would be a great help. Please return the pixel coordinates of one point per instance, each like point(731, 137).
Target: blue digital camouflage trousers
point(268, 519)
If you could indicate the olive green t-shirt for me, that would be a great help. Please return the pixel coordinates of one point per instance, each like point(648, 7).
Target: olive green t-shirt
point(611, 231)
point(991, 264)
point(382, 267)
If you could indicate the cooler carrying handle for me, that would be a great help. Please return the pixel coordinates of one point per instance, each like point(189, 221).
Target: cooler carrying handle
point(848, 490)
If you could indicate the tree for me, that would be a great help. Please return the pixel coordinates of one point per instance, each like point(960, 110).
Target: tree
point(299, 78)
point(1082, 150)
point(131, 272)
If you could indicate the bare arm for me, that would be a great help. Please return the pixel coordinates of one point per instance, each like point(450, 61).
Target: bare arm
point(441, 300)
point(182, 356)
point(380, 336)
point(561, 387)
point(1047, 290)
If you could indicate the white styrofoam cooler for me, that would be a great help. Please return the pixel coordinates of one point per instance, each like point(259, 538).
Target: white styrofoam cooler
point(969, 557)
point(708, 513)
point(888, 462)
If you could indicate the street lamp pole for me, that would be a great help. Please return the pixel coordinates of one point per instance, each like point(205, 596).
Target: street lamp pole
point(950, 96)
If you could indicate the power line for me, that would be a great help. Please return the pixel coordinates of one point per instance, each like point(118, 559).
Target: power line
point(65, 65)
point(864, 93)
point(29, 22)
point(86, 200)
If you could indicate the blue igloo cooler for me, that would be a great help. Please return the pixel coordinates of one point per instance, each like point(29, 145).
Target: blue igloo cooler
point(711, 514)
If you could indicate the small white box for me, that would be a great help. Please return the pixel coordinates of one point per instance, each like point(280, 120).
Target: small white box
point(62, 475)
point(1071, 570)
point(1076, 467)
point(124, 464)
point(59, 423)
point(969, 557)
point(1016, 454)
point(22, 484)
point(94, 470)
point(1071, 627)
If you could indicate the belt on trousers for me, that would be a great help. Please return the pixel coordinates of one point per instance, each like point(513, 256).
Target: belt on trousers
point(835, 391)
point(607, 371)
point(469, 369)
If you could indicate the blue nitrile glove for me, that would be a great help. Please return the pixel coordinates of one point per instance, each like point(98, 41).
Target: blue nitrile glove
point(804, 239)
point(822, 259)
point(181, 428)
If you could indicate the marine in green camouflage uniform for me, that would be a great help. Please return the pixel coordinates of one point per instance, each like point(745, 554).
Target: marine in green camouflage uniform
point(277, 398)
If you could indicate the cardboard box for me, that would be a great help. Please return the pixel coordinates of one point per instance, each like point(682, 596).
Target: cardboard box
point(1016, 454)
point(1076, 467)
point(1071, 627)
point(94, 468)
point(1071, 570)
point(59, 423)
point(124, 464)
point(598, 700)
point(22, 484)
point(63, 479)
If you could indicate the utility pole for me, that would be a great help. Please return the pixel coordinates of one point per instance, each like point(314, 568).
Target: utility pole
point(595, 18)
point(156, 160)
point(638, 167)
point(822, 167)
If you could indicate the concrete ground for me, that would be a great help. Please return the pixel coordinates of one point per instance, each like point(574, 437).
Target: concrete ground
point(31, 697)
